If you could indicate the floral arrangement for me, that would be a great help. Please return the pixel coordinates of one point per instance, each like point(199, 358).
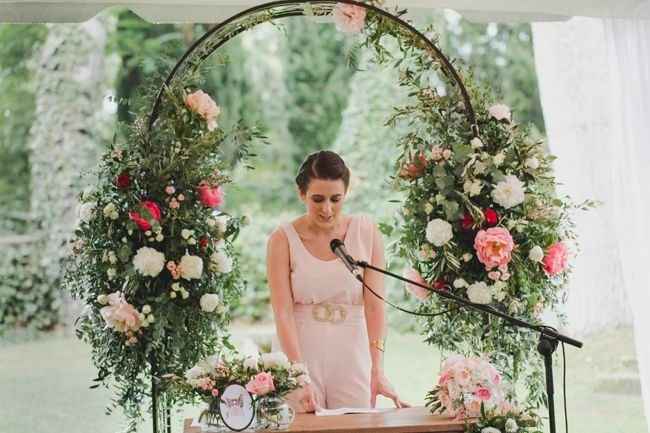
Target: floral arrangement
point(268, 375)
point(471, 388)
point(152, 255)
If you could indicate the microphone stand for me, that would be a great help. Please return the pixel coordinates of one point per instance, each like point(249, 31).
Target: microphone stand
point(548, 337)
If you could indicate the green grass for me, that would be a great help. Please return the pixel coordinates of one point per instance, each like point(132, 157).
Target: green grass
point(44, 385)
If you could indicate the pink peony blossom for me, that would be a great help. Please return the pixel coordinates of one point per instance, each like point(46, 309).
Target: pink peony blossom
point(119, 314)
point(349, 18)
point(419, 292)
point(261, 384)
point(210, 196)
point(494, 247)
point(202, 104)
point(150, 212)
point(556, 259)
point(483, 394)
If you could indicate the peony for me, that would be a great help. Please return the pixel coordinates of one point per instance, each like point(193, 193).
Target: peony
point(349, 18)
point(509, 192)
point(119, 314)
point(479, 293)
point(556, 259)
point(500, 112)
point(210, 196)
point(148, 262)
point(494, 247)
point(220, 262)
point(150, 212)
point(536, 254)
point(202, 104)
point(191, 267)
point(419, 292)
point(261, 384)
point(439, 232)
point(483, 394)
point(209, 302)
point(275, 359)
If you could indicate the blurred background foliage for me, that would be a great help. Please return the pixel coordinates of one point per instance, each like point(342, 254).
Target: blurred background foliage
point(302, 82)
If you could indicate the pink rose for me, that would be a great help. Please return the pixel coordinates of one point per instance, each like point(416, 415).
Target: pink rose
point(261, 384)
point(150, 212)
point(202, 104)
point(215, 392)
point(556, 259)
point(210, 196)
point(483, 394)
point(494, 247)
point(419, 292)
point(119, 314)
point(349, 18)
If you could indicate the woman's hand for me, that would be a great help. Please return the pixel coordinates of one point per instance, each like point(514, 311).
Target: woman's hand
point(379, 385)
point(308, 399)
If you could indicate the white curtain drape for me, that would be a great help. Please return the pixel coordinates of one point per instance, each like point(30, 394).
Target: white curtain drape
point(594, 79)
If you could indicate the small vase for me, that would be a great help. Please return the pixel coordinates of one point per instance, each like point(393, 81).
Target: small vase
point(210, 420)
point(273, 413)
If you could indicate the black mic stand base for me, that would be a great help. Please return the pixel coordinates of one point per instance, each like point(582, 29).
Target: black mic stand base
point(546, 347)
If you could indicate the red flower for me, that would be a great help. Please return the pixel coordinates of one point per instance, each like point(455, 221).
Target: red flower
point(210, 196)
point(439, 284)
point(203, 242)
point(123, 180)
point(150, 212)
point(466, 222)
point(491, 217)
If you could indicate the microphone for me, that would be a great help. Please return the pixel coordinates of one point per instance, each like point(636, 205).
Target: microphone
point(338, 248)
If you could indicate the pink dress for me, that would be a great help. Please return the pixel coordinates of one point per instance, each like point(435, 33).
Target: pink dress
point(330, 319)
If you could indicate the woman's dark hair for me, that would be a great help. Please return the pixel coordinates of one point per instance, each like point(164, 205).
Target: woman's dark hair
point(326, 165)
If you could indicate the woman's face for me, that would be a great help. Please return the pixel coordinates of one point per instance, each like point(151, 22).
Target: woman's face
point(324, 201)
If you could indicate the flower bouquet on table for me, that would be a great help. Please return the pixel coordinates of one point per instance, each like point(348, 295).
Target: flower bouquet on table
point(471, 389)
point(267, 379)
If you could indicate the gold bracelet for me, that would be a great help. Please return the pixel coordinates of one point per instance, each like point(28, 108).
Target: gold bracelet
point(379, 344)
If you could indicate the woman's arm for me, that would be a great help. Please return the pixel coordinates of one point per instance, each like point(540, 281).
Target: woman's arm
point(375, 311)
point(278, 275)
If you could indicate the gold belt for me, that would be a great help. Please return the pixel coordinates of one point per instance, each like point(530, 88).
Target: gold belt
point(333, 313)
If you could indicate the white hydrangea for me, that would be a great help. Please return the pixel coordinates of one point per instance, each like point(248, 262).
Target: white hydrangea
point(86, 211)
point(536, 254)
point(209, 302)
point(473, 188)
point(479, 293)
point(509, 192)
point(275, 359)
point(148, 262)
point(191, 267)
point(110, 211)
point(221, 262)
point(511, 426)
point(439, 232)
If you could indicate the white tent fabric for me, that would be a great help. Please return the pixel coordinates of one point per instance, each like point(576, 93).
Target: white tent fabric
point(210, 11)
point(594, 79)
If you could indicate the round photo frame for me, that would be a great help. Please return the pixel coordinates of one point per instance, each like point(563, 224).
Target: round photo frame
point(236, 407)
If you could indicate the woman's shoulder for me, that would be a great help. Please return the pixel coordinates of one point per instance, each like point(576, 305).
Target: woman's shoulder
point(365, 220)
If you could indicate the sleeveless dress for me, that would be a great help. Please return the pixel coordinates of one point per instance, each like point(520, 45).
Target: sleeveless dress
point(330, 319)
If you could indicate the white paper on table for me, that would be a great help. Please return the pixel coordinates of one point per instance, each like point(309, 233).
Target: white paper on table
point(344, 410)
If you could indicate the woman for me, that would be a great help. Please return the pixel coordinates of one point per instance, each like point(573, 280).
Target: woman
point(323, 316)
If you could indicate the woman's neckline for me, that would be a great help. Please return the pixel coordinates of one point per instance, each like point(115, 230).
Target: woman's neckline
point(304, 247)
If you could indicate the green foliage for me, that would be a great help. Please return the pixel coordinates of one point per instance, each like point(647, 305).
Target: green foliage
point(26, 300)
point(18, 45)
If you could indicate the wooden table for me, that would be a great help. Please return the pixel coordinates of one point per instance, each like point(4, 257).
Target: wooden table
point(407, 420)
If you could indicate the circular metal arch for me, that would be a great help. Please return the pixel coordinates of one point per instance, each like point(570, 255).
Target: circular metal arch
point(226, 30)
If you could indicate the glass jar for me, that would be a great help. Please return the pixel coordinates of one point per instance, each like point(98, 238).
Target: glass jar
point(210, 420)
point(273, 413)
